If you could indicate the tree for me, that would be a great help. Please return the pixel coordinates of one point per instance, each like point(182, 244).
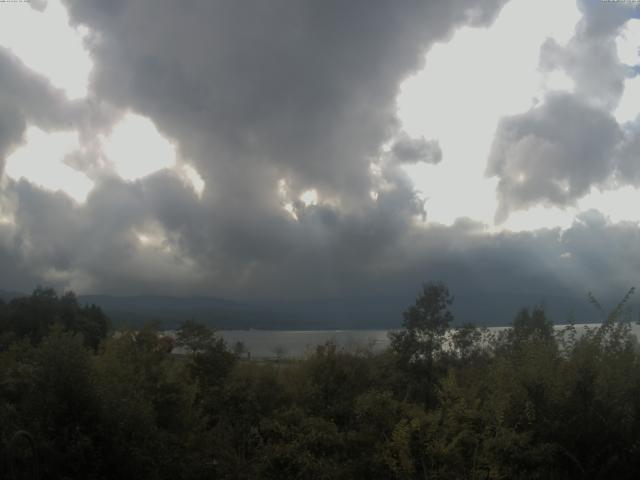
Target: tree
point(420, 344)
point(194, 336)
point(64, 405)
point(425, 325)
point(34, 316)
point(467, 342)
point(534, 325)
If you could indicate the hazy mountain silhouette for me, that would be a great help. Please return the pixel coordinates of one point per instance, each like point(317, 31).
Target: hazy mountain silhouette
point(484, 309)
point(490, 309)
point(7, 295)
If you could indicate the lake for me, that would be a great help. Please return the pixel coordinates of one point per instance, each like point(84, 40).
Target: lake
point(296, 343)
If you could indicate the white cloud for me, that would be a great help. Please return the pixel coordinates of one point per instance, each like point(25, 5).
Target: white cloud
point(629, 106)
point(620, 205)
point(47, 44)
point(628, 48)
point(153, 236)
point(539, 217)
point(468, 84)
point(193, 178)
point(628, 43)
point(41, 162)
point(137, 149)
point(309, 197)
point(559, 81)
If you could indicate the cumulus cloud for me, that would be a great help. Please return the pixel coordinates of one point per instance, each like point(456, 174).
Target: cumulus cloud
point(591, 56)
point(27, 98)
point(100, 243)
point(412, 150)
point(552, 154)
point(600, 19)
point(270, 101)
point(593, 65)
point(38, 4)
point(145, 235)
point(568, 144)
point(297, 90)
point(255, 93)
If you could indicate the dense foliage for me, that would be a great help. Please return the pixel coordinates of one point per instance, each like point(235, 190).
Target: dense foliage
point(440, 403)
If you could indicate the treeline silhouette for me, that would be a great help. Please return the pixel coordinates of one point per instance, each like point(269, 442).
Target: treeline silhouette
point(440, 403)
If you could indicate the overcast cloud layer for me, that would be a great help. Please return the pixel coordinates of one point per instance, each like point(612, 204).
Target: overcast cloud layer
point(287, 110)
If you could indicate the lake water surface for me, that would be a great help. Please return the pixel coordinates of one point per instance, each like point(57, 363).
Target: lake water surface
point(296, 343)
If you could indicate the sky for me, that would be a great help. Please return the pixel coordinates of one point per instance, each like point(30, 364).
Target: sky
point(307, 150)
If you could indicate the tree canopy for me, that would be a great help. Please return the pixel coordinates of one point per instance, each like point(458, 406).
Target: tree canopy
point(442, 402)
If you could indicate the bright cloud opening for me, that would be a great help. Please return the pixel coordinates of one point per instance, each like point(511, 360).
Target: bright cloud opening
point(291, 205)
point(628, 47)
point(309, 197)
point(538, 217)
point(628, 43)
point(137, 149)
point(193, 178)
point(47, 44)
point(557, 80)
point(153, 236)
point(158, 256)
point(620, 205)
point(41, 162)
point(460, 96)
point(6, 217)
point(285, 201)
point(629, 106)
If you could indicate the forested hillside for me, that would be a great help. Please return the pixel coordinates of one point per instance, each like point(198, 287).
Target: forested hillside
point(525, 403)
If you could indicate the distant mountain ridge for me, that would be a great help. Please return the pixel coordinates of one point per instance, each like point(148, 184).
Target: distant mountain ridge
point(7, 295)
point(489, 309)
point(228, 314)
point(171, 311)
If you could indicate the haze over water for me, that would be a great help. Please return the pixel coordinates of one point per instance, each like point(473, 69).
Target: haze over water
point(296, 343)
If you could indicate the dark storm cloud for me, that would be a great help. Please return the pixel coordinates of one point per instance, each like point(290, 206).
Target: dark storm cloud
point(95, 245)
point(335, 255)
point(552, 154)
point(298, 89)
point(62, 242)
point(491, 275)
point(601, 249)
point(256, 92)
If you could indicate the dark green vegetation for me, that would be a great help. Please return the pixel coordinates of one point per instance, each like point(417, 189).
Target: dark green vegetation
point(526, 403)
